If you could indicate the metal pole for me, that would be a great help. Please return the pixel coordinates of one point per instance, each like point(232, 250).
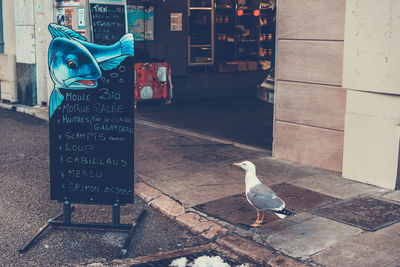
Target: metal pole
point(67, 212)
point(115, 214)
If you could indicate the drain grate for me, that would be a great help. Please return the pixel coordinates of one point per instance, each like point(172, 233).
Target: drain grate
point(367, 213)
point(233, 209)
point(299, 199)
point(236, 210)
point(190, 258)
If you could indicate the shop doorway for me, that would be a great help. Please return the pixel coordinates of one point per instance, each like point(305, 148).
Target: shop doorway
point(231, 43)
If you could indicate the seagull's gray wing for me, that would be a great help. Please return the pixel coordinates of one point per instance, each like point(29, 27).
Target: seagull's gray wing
point(263, 198)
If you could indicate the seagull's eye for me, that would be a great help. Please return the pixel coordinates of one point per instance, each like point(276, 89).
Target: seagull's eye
point(71, 64)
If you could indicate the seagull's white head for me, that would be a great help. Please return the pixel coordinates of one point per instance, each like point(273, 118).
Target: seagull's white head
point(246, 165)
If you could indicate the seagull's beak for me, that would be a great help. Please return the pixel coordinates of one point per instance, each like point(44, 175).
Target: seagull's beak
point(236, 164)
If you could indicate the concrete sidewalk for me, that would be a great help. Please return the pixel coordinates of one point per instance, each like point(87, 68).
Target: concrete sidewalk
point(179, 172)
point(190, 170)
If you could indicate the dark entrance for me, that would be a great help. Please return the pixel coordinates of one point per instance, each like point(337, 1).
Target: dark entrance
point(222, 52)
point(241, 119)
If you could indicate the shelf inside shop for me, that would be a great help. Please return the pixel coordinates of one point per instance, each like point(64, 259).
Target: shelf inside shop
point(247, 41)
point(200, 3)
point(225, 4)
point(243, 31)
point(224, 9)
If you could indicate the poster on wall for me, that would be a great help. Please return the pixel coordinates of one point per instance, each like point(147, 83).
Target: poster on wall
point(68, 17)
point(68, 3)
point(176, 22)
point(81, 18)
point(141, 22)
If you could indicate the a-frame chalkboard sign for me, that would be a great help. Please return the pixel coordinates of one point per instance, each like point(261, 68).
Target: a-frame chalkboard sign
point(91, 125)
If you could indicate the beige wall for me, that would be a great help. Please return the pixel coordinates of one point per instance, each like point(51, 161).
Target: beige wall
point(8, 76)
point(25, 31)
point(26, 41)
point(372, 50)
point(43, 11)
point(309, 98)
point(371, 140)
point(371, 72)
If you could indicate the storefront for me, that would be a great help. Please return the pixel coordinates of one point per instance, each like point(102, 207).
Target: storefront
point(215, 48)
point(326, 82)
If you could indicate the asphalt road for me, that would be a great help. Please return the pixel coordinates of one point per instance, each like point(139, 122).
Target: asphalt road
point(25, 207)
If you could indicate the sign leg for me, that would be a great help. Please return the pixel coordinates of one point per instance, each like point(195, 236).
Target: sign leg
point(116, 214)
point(67, 212)
point(39, 232)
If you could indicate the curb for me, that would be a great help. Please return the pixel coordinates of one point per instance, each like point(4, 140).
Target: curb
point(175, 210)
point(36, 111)
point(211, 230)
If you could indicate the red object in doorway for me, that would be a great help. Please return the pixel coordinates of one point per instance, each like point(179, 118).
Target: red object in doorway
point(152, 81)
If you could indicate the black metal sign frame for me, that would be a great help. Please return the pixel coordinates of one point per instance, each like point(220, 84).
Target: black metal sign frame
point(91, 127)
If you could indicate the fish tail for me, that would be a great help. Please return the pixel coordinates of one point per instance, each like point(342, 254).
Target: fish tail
point(56, 98)
point(127, 44)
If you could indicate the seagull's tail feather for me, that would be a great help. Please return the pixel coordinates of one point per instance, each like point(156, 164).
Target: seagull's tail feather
point(280, 215)
point(283, 213)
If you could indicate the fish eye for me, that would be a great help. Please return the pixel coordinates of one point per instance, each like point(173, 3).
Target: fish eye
point(71, 64)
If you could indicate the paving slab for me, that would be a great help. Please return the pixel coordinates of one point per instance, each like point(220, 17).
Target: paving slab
point(271, 171)
point(311, 236)
point(237, 210)
point(298, 199)
point(395, 195)
point(381, 248)
point(192, 195)
point(195, 183)
point(282, 225)
point(395, 263)
point(364, 212)
point(335, 186)
point(213, 152)
point(149, 162)
point(234, 209)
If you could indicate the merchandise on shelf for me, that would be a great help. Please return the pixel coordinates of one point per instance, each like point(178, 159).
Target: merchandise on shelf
point(243, 31)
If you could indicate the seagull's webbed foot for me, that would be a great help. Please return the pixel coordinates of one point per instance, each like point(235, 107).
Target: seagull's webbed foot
point(256, 224)
point(258, 221)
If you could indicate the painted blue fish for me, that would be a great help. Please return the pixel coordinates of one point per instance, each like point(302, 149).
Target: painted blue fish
point(76, 64)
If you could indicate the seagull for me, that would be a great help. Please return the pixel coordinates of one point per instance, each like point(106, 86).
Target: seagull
point(260, 196)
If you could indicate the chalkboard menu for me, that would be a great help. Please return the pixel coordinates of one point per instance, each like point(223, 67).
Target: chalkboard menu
point(92, 141)
point(108, 22)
